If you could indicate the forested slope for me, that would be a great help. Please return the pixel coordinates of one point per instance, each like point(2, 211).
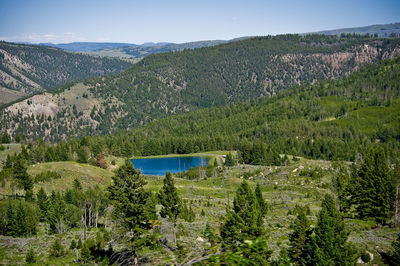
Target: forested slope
point(177, 82)
point(28, 69)
point(328, 120)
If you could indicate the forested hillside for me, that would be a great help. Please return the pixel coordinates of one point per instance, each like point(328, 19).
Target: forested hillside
point(29, 69)
point(177, 82)
point(331, 120)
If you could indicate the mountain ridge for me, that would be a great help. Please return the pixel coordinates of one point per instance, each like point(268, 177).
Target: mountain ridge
point(176, 82)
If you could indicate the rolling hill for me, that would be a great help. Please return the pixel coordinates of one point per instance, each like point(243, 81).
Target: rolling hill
point(30, 69)
point(176, 82)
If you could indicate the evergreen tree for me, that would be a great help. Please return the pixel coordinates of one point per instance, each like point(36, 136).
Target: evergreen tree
point(229, 160)
point(56, 213)
point(21, 174)
point(5, 138)
point(260, 200)
point(77, 184)
point(209, 234)
point(57, 249)
point(170, 202)
point(330, 237)
point(20, 220)
point(42, 202)
point(342, 187)
point(395, 258)
point(86, 255)
point(133, 205)
point(396, 184)
point(373, 187)
point(30, 221)
point(11, 220)
point(82, 155)
point(298, 250)
point(244, 221)
point(30, 256)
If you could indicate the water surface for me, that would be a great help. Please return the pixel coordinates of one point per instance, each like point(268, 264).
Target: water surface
point(159, 166)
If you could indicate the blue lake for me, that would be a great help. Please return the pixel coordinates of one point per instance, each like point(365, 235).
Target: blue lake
point(159, 166)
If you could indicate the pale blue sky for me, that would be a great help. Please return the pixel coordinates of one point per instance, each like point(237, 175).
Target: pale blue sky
point(182, 21)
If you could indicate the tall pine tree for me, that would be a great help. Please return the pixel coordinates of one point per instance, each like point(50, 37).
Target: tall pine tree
point(170, 202)
point(373, 187)
point(299, 239)
point(330, 238)
point(260, 200)
point(133, 205)
point(244, 221)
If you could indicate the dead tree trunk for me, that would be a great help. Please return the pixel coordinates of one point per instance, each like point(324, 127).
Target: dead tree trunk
point(174, 232)
point(396, 207)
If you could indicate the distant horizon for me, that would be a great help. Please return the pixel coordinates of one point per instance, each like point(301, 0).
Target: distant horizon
point(164, 42)
point(179, 21)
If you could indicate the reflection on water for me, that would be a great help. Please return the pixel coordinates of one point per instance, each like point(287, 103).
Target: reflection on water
point(159, 166)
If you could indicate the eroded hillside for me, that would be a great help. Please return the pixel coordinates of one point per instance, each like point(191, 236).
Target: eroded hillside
point(177, 82)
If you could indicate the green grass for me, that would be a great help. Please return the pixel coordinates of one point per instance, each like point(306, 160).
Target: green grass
point(282, 187)
point(88, 175)
point(10, 149)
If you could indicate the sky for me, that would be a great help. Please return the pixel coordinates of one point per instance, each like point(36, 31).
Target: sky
point(131, 21)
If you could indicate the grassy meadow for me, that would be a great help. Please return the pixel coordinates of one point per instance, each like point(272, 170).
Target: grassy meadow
point(302, 182)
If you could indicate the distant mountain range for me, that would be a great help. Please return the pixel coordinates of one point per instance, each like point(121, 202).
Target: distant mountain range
point(138, 51)
point(382, 30)
point(133, 50)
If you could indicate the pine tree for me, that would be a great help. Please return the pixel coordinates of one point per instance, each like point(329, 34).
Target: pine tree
point(56, 213)
point(330, 236)
point(260, 200)
point(229, 161)
point(86, 255)
point(209, 234)
point(82, 155)
point(298, 250)
point(373, 188)
point(133, 204)
point(21, 174)
point(30, 221)
point(396, 185)
point(42, 202)
point(395, 258)
point(77, 184)
point(342, 186)
point(57, 249)
point(30, 256)
point(20, 220)
point(170, 202)
point(244, 221)
point(5, 138)
point(11, 220)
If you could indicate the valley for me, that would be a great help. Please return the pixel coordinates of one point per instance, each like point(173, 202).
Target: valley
point(285, 189)
point(264, 150)
point(173, 83)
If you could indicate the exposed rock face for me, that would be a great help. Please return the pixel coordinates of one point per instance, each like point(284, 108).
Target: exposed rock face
point(172, 83)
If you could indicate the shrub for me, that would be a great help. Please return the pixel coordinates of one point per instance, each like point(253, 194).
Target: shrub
point(30, 256)
point(365, 257)
point(57, 249)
